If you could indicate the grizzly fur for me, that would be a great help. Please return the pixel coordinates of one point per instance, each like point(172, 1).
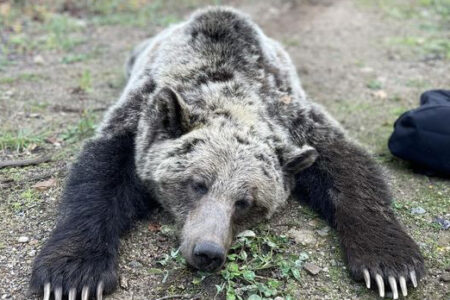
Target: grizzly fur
point(214, 126)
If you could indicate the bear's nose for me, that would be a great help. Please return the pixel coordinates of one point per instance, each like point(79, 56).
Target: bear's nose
point(208, 256)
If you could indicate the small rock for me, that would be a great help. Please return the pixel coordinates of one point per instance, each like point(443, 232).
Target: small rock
point(445, 224)
point(304, 237)
point(135, 264)
point(6, 296)
point(9, 93)
point(418, 211)
point(247, 233)
point(32, 253)
point(123, 282)
point(167, 230)
point(23, 239)
point(445, 277)
point(313, 222)
point(278, 298)
point(312, 268)
point(380, 94)
point(366, 70)
point(39, 60)
point(324, 231)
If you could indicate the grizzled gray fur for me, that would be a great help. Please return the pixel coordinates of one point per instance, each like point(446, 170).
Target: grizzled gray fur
point(214, 126)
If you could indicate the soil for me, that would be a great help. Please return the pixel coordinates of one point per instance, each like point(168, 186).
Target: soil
point(348, 60)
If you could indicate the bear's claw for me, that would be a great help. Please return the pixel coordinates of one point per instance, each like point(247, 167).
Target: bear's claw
point(73, 292)
point(403, 286)
point(392, 283)
point(380, 284)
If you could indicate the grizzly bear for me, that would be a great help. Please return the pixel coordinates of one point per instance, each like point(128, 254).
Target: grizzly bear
point(214, 126)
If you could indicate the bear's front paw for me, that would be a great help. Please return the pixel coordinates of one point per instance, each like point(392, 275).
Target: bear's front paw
point(79, 273)
point(389, 265)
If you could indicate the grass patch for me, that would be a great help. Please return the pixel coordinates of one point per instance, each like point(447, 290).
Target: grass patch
point(259, 266)
point(374, 85)
point(433, 45)
point(19, 140)
point(83, 129)
point(406, 9)
point(73, 58)
point(85, 81)
point(21, 78)
point(27, 199)
point(131, 13)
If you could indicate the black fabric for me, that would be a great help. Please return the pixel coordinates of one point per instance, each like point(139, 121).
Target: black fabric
point(422, 135)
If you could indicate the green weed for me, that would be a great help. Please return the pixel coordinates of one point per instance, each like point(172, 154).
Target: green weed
point(26, 199)
point(258, 266)
point(85, 81)
point(18, 140)
point(432, 45)
point(374, 85)
point(83, 129)
point(21, 77)
point(73, 58)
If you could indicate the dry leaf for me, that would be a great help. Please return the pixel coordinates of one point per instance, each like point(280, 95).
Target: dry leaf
point(5, 8)
point(45, 185)
point(53, 140)
point(380, 94)
point(155, 227)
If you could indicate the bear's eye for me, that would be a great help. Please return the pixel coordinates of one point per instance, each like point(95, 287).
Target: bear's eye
point(242, 204)
point(199, 187)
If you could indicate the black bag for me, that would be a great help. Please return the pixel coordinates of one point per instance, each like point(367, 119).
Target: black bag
point(422, 135)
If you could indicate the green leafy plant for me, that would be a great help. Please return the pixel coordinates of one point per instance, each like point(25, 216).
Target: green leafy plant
point(259, 266)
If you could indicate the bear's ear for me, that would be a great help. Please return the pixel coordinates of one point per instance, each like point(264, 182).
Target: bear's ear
point(169, 114)
point(298, 159)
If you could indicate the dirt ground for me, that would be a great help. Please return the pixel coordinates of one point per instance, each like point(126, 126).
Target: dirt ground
point(61, 65)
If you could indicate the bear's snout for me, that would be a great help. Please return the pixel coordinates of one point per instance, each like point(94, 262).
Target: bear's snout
point(208, 256)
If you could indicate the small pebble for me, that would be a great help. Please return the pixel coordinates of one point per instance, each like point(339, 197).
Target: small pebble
point(135, 264)
point(39, 60)
point(445, 224)
point(123, 282)
point(23, 239)
point(445, 277)
point(311, 268)
point(32, 253)
point(304, 237)
point(324, 231)
point(418, 210)
point(247, 233)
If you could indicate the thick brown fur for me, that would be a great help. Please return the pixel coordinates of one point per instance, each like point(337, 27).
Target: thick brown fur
point(214, 126)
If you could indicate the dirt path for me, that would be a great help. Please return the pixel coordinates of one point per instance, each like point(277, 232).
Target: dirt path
point(366, 63)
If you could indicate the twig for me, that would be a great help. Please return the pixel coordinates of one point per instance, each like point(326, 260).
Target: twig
point(185, 296)
point(25, 162)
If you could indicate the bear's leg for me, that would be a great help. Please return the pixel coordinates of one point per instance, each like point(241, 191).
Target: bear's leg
point(101, 199)
point(346, 186)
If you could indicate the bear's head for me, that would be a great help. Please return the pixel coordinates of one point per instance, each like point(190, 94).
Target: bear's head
point(215, 176)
